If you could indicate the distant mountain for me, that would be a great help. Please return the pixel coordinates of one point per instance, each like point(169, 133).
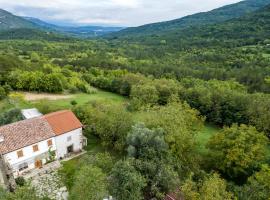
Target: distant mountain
point(215, 16)
point(250, 29)
point(80, 31)
point(9, 21)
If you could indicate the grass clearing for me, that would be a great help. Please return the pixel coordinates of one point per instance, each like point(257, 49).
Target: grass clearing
point(83, 98)
point(62, 101)
point(204, 135)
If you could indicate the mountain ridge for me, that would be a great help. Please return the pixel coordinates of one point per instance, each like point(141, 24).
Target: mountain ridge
point(79, 31)
point(204, 18)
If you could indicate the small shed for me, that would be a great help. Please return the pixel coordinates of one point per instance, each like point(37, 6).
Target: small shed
point(30, 113)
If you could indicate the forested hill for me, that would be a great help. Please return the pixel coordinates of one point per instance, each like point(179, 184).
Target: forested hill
point(9, 21)
point(215, 16)
point(32, 34)
point(249, 29)
point(246, 30)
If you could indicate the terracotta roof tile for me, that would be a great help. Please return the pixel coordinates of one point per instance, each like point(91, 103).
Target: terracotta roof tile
point(24, 133)
point(30, 131)
point(63, 121)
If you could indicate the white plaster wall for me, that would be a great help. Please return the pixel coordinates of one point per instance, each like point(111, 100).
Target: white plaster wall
point(62, 142)
point(28, 154)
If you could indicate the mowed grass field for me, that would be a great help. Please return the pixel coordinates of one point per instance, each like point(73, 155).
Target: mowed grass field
point(63, 101)
point(83, 98)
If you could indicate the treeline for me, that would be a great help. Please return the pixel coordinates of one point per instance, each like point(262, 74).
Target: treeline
point(48, 79)
point(248, 65)
point(221, 102)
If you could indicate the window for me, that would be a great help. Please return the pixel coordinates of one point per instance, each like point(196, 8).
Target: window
point(35, 148)
point(69, 138)
point(20, 153)
point(23, 166)
point(49, 142)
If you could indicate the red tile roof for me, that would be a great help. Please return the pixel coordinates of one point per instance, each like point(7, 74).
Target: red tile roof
point(24, 133)
point(30, 131)
point(63, 121)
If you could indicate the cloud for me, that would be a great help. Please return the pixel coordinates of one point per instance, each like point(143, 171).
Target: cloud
point(113, 12)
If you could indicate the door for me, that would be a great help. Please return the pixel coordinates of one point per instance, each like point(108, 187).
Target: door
point(70, 149)
point(38, 164)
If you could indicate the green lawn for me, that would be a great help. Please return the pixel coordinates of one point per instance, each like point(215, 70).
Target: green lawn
point(80, 98)
point(204, 136)
point(83, 98)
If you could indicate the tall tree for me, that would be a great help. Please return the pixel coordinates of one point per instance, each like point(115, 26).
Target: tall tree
point(238, 150)
point(126, 182)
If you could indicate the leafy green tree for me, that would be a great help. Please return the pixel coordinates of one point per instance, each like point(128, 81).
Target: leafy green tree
point(166, 89)
point(126, 182)
point(143, 96)
point(10, 116)
point(110, 123)
point(258, 112)
point(211, 187)
point(180, 124)
point(90, 184)
point(238, 150)
point(152, 157)
point(257, 187)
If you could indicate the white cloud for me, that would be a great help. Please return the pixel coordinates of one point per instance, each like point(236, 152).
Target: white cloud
point(114, 12)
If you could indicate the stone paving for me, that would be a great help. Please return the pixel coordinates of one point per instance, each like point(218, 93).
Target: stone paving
point(50, 185)
point(47, 182)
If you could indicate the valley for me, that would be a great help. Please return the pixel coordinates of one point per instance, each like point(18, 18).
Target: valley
point(179, 107)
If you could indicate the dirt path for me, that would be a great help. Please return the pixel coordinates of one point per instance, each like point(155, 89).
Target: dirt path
point(39, 96)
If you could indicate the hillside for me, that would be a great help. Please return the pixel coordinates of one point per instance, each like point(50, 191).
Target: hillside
point(32, 34)
point(10, 21)
point(249, 29)
point(215, 16)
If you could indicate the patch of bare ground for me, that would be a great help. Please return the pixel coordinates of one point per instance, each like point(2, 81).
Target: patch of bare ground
point(40, 96)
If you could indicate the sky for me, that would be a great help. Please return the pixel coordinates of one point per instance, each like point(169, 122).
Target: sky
point(109, 12)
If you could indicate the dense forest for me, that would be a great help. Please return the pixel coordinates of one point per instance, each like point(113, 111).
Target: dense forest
point(175, 81)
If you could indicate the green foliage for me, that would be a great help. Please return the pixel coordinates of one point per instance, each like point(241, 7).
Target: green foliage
point(73, 102)
point(90, 184)
point(238, 150)
point(48, 80)
point(3, 93)
point(22, 193)
point(20, 181)
point(10, 116)
point(258, 111)
point(180, 124)
point(126, 182)
point(103, 161)
point(213, 17)
point(152, 157)
point(143, 96)
point(45, 106)
point(110, 123)
point(258, 186)
point(211, 187)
